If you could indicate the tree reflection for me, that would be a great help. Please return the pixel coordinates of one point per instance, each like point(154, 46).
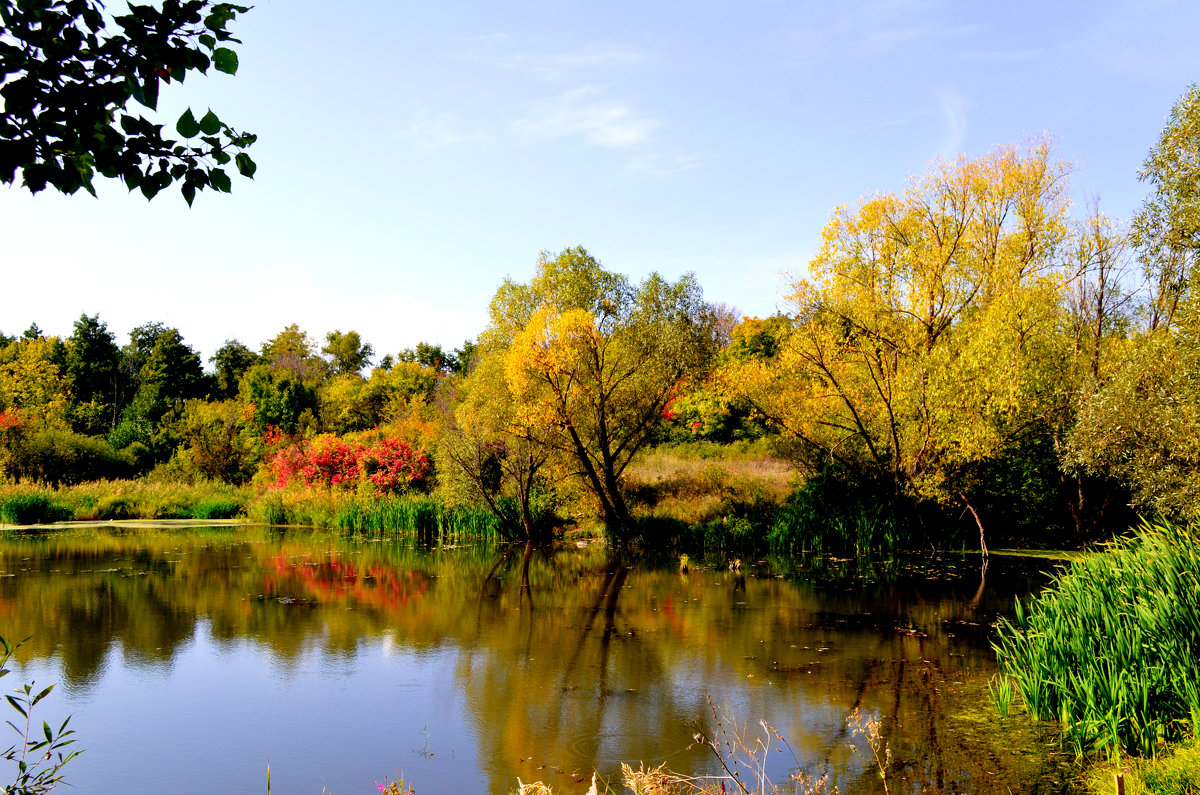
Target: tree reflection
point(568, 658)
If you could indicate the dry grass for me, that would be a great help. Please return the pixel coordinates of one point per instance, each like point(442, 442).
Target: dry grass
point(695, 486)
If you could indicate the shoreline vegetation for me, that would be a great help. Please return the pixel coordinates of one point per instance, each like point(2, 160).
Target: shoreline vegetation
point(967, 364)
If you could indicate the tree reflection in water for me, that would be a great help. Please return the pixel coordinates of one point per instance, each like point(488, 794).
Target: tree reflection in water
point(565, 659)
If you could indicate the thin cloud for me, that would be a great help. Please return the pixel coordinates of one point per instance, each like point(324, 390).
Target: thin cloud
point(431, 130)
point(580, 113)
point(494, 50)
point(953, 106)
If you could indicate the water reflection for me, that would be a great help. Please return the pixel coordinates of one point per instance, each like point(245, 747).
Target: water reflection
point(468, 667)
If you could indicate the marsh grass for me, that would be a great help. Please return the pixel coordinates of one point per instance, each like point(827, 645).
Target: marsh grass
point(692, 484)
point(120, 499)
point(827, 515)
point(1174, 773)
point(1111, 649)
point(418, 515)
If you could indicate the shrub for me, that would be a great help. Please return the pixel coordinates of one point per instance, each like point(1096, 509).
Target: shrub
point(388, 465)
point(58, 456)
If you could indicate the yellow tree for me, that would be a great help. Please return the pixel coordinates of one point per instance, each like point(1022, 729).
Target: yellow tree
point(919, 341)
point(591, 362)
point(32, 383)
point(497, 454)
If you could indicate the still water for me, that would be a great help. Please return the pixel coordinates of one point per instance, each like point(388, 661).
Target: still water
point(191, 660)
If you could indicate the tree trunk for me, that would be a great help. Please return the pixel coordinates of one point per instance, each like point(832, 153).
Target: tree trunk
point(979, 524)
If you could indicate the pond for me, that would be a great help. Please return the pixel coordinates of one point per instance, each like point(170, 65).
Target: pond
point(190, 660)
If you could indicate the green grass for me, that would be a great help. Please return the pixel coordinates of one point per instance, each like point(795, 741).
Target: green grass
point(1176, 772)
point(25, 506)
point(1111, 649)
point(105, 500)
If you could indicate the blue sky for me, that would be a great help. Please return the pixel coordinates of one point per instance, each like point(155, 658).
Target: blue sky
point(413, 155)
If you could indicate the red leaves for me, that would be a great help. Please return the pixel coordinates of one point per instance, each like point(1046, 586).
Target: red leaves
point(10, 419)
point(388, 464)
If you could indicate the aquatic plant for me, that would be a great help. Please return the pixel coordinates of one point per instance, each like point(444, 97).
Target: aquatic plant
point(1000, 688)
point(397, 787)
point(41, 758)
point(868, 726)
point(1112, 648)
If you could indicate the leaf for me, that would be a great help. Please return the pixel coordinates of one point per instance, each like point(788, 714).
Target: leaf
point(210, 124)
point(17, 706)
point(245, 166)
point(150, 188)
point(207, 41)
point(41, 695)
point(189, 192)
point(225, 60)
point(220, 180)
point(150, 92)
point(133, 177)
point(187, 126)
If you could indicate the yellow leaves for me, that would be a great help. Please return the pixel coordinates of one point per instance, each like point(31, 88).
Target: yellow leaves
point(31, 382)
point(551, 347)
point(921, 333)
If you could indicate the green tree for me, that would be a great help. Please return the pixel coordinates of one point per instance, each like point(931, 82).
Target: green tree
point(1138, 424)
point(464, 357)
point(69, 71)
point(347, 352)
point(92, 367)
point(162, 373)
point(432, 356)
point(1166, 230)
point(277, 398)
point(592, 361)
point(292, 350)
point(230, 362)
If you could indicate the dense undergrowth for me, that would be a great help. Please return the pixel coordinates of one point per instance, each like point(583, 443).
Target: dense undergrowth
point(1111, 649)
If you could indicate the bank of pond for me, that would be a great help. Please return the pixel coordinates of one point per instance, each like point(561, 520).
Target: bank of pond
point(463, 666)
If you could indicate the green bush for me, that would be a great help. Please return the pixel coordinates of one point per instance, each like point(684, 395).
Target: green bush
point(31, 508)
point(58, 457)
point(1112, 648)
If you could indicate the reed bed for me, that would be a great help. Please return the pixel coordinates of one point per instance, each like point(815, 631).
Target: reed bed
point(1112, 648)
point(825, 517)
point(419, 515)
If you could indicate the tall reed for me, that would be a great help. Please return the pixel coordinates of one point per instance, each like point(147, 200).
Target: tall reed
point(419, 515)
point(1112, 648)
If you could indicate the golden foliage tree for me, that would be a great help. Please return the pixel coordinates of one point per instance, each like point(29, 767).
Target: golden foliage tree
point(590, 362)
point(924, 337)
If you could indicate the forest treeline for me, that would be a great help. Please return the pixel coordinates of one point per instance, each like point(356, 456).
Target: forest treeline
point(968, 353)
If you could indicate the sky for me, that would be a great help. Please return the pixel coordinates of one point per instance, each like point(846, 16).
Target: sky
point(411, 156)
